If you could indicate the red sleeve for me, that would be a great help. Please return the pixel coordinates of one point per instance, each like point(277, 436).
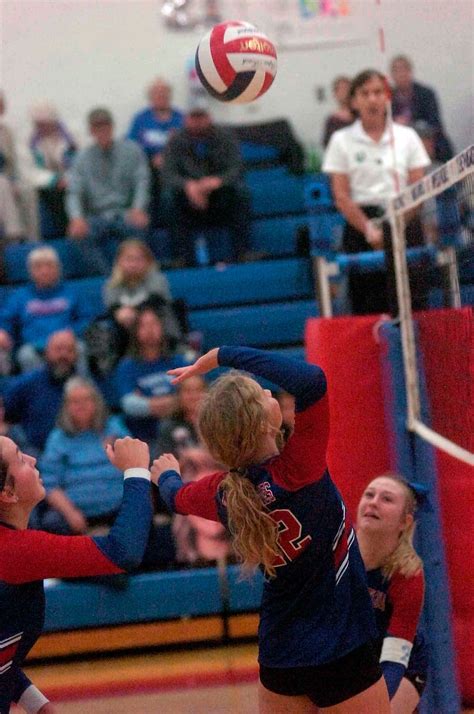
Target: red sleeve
point(34, 555)
point(406, 597)
point(198, 498)
point(303, 460)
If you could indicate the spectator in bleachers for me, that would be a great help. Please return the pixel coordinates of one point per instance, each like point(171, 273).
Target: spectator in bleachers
point(24, 195)
point(413, 102)
point(32, 313)
point(199, 541)
point(108, 193)
point(7, 144)
point(10, 222)
point(47, 161)
point(343, 115)
point(137, 279)
point(83, 489)
point(13, 431)
point(34, 399)
point(11, 228)
point(142, 383)
point(359, 159)
point(151, 128)
point(179, 432)
point(202, 170)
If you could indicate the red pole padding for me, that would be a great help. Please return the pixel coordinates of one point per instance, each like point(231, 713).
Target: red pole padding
point(359, 444)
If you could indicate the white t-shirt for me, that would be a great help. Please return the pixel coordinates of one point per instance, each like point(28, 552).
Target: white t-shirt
point(370, 164)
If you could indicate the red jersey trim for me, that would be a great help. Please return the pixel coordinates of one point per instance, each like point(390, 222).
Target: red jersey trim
point(29, 555)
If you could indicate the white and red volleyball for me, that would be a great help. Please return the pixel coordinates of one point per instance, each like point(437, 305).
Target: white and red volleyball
point(236, 62)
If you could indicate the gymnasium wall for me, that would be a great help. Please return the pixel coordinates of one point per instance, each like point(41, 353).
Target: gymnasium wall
point(79, 53)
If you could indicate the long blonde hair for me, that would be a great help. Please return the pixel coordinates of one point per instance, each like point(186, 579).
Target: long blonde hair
point(404, 558)
point(232, 423)
point(117, 277)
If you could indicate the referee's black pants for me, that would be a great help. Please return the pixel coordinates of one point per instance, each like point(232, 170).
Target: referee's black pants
point(375, 292)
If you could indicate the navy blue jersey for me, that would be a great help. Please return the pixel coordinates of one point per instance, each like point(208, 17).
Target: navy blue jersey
point(317, 608)
point(28, 556)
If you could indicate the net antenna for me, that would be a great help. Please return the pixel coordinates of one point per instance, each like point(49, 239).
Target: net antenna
point(449, 175)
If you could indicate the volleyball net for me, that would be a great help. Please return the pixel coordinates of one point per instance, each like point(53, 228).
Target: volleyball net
point(438, 344)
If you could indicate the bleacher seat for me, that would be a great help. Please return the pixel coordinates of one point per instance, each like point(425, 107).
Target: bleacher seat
point(138, 598)
point(267, 325)
point(244, 283)
point(278, 196)
point(277, 236)
point(254, 177)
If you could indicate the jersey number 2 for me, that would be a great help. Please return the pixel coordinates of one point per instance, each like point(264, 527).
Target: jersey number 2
point(289, 536)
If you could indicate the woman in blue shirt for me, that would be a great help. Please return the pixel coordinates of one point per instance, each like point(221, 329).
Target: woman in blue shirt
point(83, 488)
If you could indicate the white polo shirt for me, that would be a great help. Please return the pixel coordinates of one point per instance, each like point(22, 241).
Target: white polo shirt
point(370, 164)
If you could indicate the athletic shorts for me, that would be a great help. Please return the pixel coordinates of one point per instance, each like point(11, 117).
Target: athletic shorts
point(417, 670)
point(326, 684)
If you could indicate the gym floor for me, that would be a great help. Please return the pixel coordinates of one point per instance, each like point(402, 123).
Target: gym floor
point(200, 681)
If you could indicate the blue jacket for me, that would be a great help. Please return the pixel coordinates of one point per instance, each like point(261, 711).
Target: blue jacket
point(34, 399)
point(31, 315)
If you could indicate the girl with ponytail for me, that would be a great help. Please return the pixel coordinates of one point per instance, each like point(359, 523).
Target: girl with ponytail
point(285, 516)
point(385, 530)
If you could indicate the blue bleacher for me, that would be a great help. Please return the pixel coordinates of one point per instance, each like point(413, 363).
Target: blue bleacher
point(246, 283)
point(278, 196)
point(145, 597)
point(272, 324)
point(277, 236)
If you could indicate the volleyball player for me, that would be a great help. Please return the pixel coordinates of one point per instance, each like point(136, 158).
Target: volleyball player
point(286, 516)
point(385, 529)
point(28, 556)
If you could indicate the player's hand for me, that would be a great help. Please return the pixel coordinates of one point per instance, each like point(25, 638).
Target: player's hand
point(47, 708)
point(203, 365)
point(129, 453)
point(165, 462)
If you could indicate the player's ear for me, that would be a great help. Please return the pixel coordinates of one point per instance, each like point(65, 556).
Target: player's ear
point(8, 495)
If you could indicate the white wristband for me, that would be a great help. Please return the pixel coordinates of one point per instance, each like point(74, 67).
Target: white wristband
point(137, 473)
point(396, 649)
point(32, 700)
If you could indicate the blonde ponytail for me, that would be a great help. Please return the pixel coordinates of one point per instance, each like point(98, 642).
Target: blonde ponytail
point(232, 423)
point(254, 532)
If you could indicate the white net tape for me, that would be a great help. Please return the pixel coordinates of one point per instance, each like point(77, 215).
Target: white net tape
point(450, 174)
point(435, 183)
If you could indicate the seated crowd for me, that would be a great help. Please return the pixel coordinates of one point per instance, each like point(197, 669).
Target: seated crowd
point(70, 385)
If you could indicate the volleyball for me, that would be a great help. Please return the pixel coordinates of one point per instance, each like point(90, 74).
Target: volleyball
point(235, 62)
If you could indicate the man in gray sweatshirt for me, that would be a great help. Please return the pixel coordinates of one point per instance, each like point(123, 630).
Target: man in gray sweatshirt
point(108, 193)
